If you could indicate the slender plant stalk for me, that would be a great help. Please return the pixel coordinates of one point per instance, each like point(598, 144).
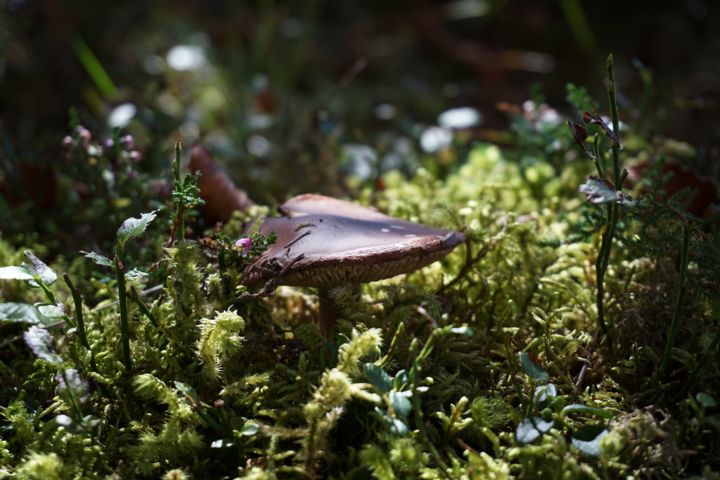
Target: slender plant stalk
point(179, 205)
point(603, 259)
point(122, 301)
point(615, 148)
point(414, 377)
point(73, 398)
point(77, 298)
point(679, 300)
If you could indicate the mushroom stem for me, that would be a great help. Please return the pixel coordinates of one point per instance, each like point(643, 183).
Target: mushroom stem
point(330, 312)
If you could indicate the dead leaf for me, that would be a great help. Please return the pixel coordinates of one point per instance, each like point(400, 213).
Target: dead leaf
point(219, 192)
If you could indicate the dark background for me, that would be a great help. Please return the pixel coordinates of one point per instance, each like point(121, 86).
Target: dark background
point(311, 64)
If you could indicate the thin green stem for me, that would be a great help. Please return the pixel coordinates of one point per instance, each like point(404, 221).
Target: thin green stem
point(77, 298)
point(122, 301)
point(73, 399)
point(615, 148)
point(603, 260)
point(179, 206)
point(679, 300)
point(413, 376)
point(599, 159)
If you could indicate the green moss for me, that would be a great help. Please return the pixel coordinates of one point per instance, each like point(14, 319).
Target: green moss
point(223, 387)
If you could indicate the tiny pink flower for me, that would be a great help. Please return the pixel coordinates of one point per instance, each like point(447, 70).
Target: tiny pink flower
point(84, 134)
point(128, 141)
point(245, 244)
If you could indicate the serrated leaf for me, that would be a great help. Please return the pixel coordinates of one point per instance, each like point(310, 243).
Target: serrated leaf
point(545, 394)
point(531, 428)
point(15, 273)
point(51, 310)
point(587, 439)
point(40, 269)
point(22, 312)
point(400, 403)
point(99, 259)
point(40, 342)
point(135, 275)
point(378, 377)
point(599, 191)
point(580, 408)
point(134, 227)
point(532, 369)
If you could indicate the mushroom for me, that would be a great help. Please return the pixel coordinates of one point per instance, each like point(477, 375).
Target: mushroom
point(324, 242)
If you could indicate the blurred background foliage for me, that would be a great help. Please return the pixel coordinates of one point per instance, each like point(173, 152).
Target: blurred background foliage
point(326, 96)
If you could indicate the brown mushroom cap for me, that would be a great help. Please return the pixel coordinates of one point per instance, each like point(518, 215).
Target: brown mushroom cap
point(325, 242)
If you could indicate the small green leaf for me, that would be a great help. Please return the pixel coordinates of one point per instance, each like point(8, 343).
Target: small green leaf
point(40, 269)
point(531, 428)
point(51, 310)
point(705, 400)
point(463, 330)
point(532, 369)
point(400, 380)
point(400, 403)
point(378, 377)
point(134, 227)
point(397, 426)
point(599, 191)
point(587, 439)
point(249, 429)
point(99, 259)
point(15, 273)
point(22, 312)
point(545, 394)
point(580, 408)
point(136, 275)
point(63, 420)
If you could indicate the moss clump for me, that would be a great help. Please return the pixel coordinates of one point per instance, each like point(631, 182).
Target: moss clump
point(465, 369)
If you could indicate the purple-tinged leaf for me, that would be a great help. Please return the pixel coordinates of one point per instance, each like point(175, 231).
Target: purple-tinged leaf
point(40, 342)
point(72, 380)
point(596, 119)
point(579, 134)
point(599, 191)
point(40, 269)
